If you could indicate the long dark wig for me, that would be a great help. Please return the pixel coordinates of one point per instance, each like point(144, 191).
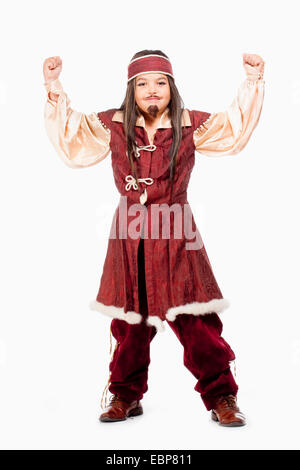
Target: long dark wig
point(131, 112)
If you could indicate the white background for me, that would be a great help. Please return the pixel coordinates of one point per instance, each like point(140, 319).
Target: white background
point(54, 351)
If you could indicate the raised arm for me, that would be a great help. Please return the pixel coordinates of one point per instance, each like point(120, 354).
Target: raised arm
point(80, 140)
point(227, 133)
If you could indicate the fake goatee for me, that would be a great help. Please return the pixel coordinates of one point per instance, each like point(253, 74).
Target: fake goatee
point(153, 110)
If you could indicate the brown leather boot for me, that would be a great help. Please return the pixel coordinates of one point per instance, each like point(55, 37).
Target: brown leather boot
point(119, 409)
point(227, 413)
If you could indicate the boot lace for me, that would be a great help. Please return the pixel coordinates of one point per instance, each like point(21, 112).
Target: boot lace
point(229, 401)
point(114, 399)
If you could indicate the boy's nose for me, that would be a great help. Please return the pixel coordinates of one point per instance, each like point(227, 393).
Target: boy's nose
point(152, 88)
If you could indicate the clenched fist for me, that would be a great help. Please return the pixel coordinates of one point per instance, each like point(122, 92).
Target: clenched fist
point(52, 68)
point(254, 65)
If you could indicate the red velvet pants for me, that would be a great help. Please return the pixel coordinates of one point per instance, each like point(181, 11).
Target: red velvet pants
point(205, 353)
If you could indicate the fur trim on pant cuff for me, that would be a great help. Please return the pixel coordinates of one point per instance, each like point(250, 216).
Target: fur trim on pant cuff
point(198, 308)
point(154, 320)
point(116, 312)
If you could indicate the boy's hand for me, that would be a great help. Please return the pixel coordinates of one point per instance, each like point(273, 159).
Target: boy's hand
point(52, 68)
point(253, 63)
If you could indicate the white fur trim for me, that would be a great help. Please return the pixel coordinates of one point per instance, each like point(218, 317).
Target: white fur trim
point(194, 308)
point(116, 312)
point(198, 308)
point(154, 320)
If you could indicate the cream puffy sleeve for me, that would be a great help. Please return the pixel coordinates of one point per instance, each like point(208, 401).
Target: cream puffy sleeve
point(227, 133)
point(80, 140)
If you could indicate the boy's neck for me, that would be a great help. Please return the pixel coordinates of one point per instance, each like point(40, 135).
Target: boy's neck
point(152, 121)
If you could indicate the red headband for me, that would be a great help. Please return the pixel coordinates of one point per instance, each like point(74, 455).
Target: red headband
point(149, 63)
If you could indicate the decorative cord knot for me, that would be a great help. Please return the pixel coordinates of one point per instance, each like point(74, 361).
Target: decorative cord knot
point(150, 148)
point(131, 182)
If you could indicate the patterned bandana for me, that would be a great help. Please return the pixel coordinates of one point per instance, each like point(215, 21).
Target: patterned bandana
point(149, 63)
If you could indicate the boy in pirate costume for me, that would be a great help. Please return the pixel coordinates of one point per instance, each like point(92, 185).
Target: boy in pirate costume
point(149, 280)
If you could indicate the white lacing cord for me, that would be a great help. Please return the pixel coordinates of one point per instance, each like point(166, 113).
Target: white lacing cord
point(202, 126)
point(150, 148)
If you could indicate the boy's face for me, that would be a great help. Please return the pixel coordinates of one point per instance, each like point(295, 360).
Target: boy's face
point(152, 93)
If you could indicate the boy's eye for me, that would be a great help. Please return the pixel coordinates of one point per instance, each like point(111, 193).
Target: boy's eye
point(160, 83)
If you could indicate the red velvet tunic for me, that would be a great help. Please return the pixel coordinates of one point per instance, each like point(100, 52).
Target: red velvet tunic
point(178, 279)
